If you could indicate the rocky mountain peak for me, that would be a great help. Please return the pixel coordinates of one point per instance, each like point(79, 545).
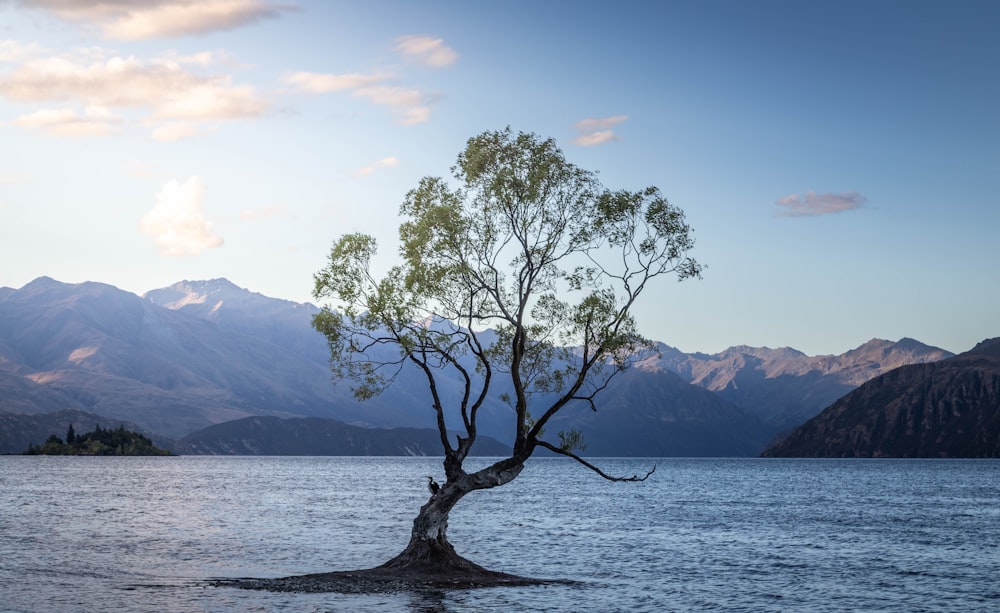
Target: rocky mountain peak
point(186, 293)
point(220, 298)
point(989, 347)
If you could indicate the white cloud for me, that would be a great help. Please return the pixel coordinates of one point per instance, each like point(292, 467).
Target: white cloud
point(595, 138)
point(96, 121)
point(142, 19)
point(177, 224)
point(409, 104)
point(812, 204)
point(389, 162)
point(426, 50)
point(12, 51)
point(217, 99)
point(595, 131)
point(413, 116)
point(164, 88)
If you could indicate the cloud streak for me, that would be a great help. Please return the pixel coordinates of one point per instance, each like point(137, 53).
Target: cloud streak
point(95, 121)
point(812, 204)
point(14, 51)
point(409, 105)
point(172, 95)
point(597, 131)
point(425, 50)
point(389, 162)
point(177, 224)
point(144, 19)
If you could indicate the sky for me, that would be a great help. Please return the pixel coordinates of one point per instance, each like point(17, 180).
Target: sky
point(839, 162)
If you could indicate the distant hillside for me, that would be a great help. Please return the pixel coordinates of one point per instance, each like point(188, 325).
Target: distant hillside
point(199, 353)
point(946, 409)
point(319, 437)
point(18, 431)
point(98, 442)
point(657, 414)
point(785, 387)
point(96, 348)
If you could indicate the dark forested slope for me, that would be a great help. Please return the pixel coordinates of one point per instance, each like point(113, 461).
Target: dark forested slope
point(949, 408)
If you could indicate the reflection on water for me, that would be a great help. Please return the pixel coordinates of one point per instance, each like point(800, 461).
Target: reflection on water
point(140, 534)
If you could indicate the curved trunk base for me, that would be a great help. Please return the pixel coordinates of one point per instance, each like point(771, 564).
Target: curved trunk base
point(423, 565)
point(434, 558)
point(429, 562)
point(380, 581)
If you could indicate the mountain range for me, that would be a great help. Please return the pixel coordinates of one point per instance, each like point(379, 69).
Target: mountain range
point(201, 353)
point(949, 408)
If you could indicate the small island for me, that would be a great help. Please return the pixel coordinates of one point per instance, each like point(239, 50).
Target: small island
point(118, 442)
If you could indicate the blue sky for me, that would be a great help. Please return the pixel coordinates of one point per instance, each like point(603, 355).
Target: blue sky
point(838, 161)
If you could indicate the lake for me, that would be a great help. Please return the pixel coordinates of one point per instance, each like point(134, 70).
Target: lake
point(144, 534)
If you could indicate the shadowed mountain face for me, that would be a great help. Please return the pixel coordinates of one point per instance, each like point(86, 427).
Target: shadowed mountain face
point(658, 414)
point(200, 353)
point(318, 437)
point(947, 409)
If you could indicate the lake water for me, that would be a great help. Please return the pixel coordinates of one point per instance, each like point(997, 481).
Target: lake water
point(143, 534)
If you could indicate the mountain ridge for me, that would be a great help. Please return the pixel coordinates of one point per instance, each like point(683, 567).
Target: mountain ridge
point(949, 408)
point(198, 353)
point(784, 387)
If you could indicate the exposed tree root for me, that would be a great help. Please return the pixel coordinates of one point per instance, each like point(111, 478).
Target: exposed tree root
point(382, 580)
point(423, 565)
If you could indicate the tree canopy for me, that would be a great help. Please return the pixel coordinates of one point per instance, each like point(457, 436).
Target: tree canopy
point(98, 442)
point(526, 244)
point(518, 279)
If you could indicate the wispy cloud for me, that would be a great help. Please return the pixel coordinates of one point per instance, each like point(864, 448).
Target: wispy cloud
point(596, 131)
point(95, 121)
point(165, 91)
point(317, 83)
point(426, 50)
point(177, 224)
point(812, 204)
point(410, 105)
point(143, 19)
point(14, 51)
point(389, 162)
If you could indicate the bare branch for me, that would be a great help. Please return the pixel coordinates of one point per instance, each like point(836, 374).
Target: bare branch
point(570, 454)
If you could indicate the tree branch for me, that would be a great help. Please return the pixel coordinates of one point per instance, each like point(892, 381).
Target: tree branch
point(570, 454)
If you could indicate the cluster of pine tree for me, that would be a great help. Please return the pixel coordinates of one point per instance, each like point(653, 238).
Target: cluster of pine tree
point(98, 442)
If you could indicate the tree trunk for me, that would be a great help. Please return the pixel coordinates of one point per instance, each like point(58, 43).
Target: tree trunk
point(429, 561)
point(429, 551)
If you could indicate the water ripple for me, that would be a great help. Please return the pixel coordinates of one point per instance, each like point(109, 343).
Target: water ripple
point(738, 535)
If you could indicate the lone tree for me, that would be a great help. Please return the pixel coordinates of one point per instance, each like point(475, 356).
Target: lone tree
point(530, 246)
